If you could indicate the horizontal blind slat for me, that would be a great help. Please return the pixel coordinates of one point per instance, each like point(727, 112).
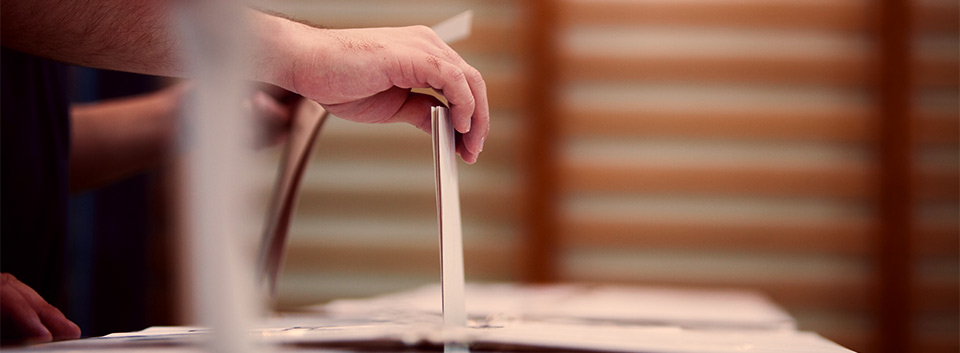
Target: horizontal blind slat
point(488, 259)
point(839, 124)
point(836, 70)
point(850, 236)
point(838, 15)
point(814, 181)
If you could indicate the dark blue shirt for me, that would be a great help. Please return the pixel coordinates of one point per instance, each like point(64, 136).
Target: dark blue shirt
point(34, 167)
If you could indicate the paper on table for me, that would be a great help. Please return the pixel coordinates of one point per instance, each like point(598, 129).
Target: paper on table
point(388, 323)
point(304, 127)
point(522, 335)
point(519, 336)
point(613, 304)
point(448, 216)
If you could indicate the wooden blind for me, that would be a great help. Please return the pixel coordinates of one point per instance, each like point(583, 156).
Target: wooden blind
point(936, 109)
point(735, 143)
point(707, 143)
point(721, 143)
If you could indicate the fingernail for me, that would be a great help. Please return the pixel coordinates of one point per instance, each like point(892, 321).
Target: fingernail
point(482, 140)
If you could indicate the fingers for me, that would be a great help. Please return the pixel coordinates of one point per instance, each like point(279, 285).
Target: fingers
point(480, 115)
point(395, 105)
point(473, 141)
point(463, 86)
point(377, 109)
point(26, 316)
point(416, 111)
point(58, 325)
point(451, 79)
point(469, 157)
point(368, 78)
point(466, 91)
point(398, 105)
point(19, 320)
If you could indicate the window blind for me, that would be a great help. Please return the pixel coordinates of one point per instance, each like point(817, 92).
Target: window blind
point(702, 143)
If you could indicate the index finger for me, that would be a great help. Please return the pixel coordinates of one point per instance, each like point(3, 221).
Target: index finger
point(449, 77)
point(58, 325)
point(480, 116)
point(19, 319)
point(480, 121)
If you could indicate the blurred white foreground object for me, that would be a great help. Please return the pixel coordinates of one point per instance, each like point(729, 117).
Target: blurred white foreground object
point(219, 261)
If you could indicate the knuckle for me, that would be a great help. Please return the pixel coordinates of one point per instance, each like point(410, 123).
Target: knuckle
point(456, 74)
point(474, 76)
point(421, 29)
point(49, 311)
point(452, 55)
point(436, 63)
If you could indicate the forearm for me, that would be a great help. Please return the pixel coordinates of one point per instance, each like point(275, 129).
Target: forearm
point(114, 139)
point(130, 35)
point(113, 34)
point(362, 75)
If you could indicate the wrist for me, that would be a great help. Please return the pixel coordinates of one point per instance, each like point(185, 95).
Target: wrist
point(276, 51)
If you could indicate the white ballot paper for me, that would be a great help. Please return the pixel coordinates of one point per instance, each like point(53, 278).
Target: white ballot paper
point(448, 217)
point(454, 28)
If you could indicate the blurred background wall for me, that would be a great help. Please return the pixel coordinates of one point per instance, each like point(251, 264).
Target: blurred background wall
point(700, 143)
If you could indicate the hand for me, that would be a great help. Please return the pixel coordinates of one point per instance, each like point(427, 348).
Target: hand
point(365, 75)
point(25, 316)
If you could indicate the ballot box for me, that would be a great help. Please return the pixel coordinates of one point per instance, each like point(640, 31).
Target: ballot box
point(508, 318)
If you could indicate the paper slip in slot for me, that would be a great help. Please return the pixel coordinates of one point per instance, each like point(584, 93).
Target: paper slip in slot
point(455, 28)
point(304, 128)
point(448, 217)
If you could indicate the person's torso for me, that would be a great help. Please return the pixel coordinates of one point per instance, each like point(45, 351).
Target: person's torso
point(34, 169)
